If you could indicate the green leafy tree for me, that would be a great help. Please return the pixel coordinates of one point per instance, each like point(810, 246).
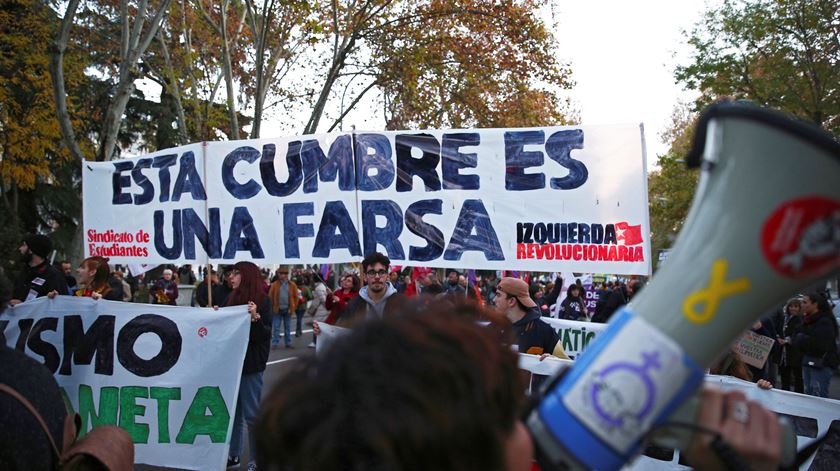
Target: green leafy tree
point(439, 63)
point(671, 187)
point(783, 54)
point(463, 63)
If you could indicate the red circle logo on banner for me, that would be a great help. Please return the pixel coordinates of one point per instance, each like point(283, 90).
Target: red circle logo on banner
point(802, 237)
point(202, 332)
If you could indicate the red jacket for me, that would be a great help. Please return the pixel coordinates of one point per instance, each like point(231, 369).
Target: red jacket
point(336, 307)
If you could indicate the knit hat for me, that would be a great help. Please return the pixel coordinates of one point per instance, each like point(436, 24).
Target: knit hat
point(39, 244)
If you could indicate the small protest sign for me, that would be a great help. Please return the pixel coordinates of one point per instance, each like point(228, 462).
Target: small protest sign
point(753, 349)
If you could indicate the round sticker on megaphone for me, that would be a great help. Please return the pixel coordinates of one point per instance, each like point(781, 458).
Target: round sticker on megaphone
point(802, 237)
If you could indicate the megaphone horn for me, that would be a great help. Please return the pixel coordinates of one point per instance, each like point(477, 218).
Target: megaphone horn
point(764, 223)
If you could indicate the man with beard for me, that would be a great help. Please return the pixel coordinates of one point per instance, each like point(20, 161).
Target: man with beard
point(67, 269)
point(452, 285)
point(38, 277)
point(377, 300)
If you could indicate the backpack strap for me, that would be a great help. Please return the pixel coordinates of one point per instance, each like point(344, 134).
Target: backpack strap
point(28, 405)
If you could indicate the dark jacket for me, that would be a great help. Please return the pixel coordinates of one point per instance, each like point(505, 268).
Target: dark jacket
point(259, 340)
point(617, 299)
point(25, 444)
point(817, 337)
point(219, 291)
point(40, 280)
point(455, 289)
point(777, 321)
point(572, 308)
point(791, 355)
point(551, 297)
point(530, 332)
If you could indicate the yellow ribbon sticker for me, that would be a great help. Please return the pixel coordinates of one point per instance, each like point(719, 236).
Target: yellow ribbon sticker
point(711, 296)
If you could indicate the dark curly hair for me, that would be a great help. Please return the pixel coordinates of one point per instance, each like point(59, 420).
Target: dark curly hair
point(375, 257)
point(425, 391)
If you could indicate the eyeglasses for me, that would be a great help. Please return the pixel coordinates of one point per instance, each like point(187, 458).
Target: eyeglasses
point(282, 273)
point(372, 273)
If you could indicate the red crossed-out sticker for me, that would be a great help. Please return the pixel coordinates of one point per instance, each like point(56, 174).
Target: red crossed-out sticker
point(802, 237)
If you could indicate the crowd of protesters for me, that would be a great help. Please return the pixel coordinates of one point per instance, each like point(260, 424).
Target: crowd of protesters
point(805, 331)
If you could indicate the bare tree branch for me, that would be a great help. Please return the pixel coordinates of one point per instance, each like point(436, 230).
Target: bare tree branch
point(57, 73)
point(351, 106)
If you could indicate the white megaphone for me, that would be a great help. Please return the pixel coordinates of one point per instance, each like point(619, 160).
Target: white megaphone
point(764, 223)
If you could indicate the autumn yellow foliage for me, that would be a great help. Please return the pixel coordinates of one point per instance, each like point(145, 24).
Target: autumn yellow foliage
point(30, 139)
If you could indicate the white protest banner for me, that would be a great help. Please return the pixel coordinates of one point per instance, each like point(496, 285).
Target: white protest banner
point(499, 199)
point(167, 375)
point(575, 336)
point(329, 334)
point(753, 349)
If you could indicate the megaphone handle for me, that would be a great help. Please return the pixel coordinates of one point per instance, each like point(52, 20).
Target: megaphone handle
point(678, 430)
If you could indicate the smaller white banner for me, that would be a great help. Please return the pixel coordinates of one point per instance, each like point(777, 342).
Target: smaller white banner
point(167, 375)
point(575, 336)
point(329, 334)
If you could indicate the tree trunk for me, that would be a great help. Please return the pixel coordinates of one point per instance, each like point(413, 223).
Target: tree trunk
point(174, 91)
point(132, 47)
point(228, 71)
point(57, 73)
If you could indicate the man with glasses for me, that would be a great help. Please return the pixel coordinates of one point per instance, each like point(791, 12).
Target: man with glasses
point(378, 299)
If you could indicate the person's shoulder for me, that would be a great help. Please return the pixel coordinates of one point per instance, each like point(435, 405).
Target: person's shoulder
point(825, 320)
point(354, 301)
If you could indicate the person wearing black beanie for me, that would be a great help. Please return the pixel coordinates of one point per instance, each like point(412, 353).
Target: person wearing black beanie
point(39, 277)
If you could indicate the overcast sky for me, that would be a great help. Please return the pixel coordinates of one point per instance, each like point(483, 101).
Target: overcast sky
point(622, 57)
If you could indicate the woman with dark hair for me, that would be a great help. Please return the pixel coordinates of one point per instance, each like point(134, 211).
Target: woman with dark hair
point(246, 281)
point(790, 363)
point(818, 342)
point(337, 301)
point(574, 307)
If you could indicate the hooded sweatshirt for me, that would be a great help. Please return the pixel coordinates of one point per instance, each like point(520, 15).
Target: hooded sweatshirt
point(363, 308)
